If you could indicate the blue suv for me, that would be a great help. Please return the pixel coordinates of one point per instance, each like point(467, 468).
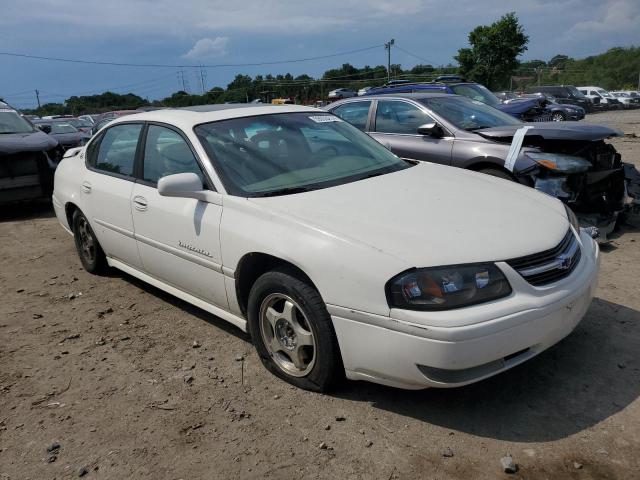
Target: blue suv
point(527, 111)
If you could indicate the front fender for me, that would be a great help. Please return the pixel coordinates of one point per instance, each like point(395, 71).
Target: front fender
point(346, 273)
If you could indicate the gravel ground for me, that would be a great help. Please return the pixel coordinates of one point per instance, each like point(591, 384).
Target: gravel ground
point(106, 370)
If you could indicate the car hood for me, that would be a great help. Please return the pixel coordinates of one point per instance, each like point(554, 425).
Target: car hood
point(431, 215)
point(26, 142)
point(518, 108)
point(553, 131)
point(70, 137)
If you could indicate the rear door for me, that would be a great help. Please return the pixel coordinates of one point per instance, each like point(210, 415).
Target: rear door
point(396, 125)
point(356, 113)
point(178, 238)
point(107, 187)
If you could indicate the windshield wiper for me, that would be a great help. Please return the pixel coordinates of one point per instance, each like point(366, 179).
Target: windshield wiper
point(473, 129)
point(286, 191)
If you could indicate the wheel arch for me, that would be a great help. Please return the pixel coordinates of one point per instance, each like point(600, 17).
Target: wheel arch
point(70, 209)
point(482, 164)
point(252, 265)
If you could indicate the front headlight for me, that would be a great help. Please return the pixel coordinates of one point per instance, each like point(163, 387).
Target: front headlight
point(560, 162)
point(573, 220)
point(444, 288)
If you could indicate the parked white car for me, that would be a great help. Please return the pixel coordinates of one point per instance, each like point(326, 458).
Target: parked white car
point(335, 255)
point(627, 99)
point(339, 93)
point(600, 94)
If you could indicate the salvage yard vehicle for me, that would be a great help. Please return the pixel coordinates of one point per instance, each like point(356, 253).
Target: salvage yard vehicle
point(28, 159)
point(570, 161)
point(297, 227)
point(565, 94)
point(560, 112)
point(626, 99)
point(604, 98)
point(339, 93)
point(530, 110)
point(63, 130)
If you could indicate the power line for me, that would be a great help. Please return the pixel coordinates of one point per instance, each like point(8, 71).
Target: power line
point(414, 55)
point(164, 65)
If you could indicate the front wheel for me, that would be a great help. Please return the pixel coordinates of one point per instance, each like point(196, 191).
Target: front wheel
point(558, 117)
point(292, 331)
point(91, 254)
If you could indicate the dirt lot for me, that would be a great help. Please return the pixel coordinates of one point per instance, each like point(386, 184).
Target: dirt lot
point(107, 368)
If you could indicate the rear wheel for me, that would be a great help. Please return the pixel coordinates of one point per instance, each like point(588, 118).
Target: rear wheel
point(292, 331)
point(495, 172)
point(91, 254)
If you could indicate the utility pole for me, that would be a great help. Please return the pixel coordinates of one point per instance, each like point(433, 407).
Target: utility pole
point(38, 97)
point(387, 47)
point(538, 71)
point(639, 81)
point(185, 83)
point(203, 75)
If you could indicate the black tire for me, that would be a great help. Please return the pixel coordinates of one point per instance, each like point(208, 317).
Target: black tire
point(496, 172)
point(558, 117)
point(326, 370)
point(89, 250)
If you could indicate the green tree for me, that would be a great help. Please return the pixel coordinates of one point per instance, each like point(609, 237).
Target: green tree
point(494, 51)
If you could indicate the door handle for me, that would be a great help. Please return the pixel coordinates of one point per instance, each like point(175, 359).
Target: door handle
point(140, 203)
point(86, 187)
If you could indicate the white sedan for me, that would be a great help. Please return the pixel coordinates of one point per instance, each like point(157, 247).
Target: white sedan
point(338, 257)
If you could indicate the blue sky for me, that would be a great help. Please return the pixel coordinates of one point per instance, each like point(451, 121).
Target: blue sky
point(191, 32)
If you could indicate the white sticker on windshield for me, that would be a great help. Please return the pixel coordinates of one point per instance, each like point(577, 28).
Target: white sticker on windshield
point(516, 145)
point(7, 110)
point(324, 118)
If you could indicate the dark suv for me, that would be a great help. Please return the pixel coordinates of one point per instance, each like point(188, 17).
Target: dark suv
point(567, 94)
point(531, 110)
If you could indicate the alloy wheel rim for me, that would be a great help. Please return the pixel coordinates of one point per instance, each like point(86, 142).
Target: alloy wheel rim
point(87, 245)
point(557, 117)
point(287, 335)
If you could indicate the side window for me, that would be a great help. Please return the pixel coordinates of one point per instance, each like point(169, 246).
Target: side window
point(166, 153)
point(399, 117)
point(356, 113)
point(117, 149)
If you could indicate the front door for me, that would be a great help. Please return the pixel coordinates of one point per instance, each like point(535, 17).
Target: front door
point(396, 127)
point(178, 238)
point(107, 187)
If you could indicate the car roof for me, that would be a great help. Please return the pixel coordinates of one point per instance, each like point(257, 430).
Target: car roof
point(187, 117)
point(53, 120)
point(412, 96)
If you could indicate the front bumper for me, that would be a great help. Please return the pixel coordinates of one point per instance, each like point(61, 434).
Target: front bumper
point(420, 350)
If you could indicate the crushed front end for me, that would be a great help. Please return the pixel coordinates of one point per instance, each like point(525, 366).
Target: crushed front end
point(587, 175)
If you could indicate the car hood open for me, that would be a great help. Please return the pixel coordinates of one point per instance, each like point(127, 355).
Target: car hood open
point(26, 142)
point(431, 215)
point(553, 131)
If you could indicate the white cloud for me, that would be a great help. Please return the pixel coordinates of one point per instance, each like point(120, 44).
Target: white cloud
point(208, 48)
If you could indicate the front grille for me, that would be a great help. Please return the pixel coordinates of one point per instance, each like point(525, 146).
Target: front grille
point(551, 265)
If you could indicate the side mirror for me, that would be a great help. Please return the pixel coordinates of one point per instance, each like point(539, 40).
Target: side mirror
point(187, 185)
point(45, 128)
point(432, 129)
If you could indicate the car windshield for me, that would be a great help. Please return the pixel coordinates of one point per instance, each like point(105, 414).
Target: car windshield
point(287, 153)
point(59, 127)
point(603, 93)
point(468, 114)
point(575, 92)
point(476, 92)
point(12, 122)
